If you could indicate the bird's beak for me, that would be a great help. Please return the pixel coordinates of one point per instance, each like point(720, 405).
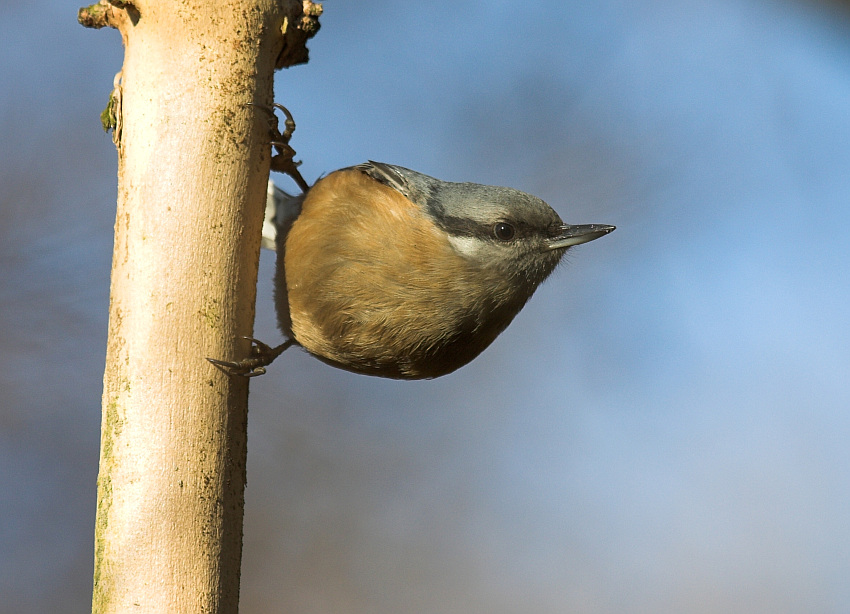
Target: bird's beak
point(576, 235)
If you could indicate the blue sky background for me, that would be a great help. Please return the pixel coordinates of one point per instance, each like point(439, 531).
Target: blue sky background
point(664, 428)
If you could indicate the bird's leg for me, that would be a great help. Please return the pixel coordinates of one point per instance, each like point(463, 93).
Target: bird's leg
point(262, 355)
point(284, 160)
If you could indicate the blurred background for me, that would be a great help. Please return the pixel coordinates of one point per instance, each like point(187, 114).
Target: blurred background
point(664, 428)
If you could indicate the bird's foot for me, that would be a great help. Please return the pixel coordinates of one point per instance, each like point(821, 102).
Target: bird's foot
point(262, 355)
point(284, 160)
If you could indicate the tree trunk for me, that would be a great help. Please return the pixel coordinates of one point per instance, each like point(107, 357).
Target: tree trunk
point(193, 166)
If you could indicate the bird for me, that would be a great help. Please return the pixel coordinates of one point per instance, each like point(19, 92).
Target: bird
point(385, 271)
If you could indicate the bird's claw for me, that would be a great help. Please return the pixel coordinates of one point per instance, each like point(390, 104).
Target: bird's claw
point(284, 160)
point(262, 355)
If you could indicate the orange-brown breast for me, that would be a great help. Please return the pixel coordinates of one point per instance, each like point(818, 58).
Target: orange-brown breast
point(373, 286)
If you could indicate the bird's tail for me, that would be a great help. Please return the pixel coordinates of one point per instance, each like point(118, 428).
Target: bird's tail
point(281, 211)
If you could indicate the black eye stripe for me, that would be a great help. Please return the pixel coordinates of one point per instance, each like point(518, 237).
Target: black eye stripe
point(463, 227)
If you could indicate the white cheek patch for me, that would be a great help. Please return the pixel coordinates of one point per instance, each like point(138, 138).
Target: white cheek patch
point(468, 246)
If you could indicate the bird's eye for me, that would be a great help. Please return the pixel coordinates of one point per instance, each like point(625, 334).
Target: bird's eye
point(503, 231)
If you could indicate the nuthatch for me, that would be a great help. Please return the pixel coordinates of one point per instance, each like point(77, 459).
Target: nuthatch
point(385, 271)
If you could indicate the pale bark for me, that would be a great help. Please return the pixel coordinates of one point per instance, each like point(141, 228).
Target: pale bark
point(193, 166)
